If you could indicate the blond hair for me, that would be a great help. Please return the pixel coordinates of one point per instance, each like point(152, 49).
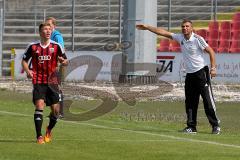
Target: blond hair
point(54, 21)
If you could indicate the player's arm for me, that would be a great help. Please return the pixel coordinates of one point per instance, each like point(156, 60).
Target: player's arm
point(156, 30)
point(62, 58)
point(26, 57)
point(26, 69)
point(211, 53)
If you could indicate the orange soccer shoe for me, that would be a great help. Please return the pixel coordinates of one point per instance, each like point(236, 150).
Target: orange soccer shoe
point(48, 136)
point(40, 140)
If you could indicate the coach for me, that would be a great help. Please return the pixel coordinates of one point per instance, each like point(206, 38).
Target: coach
point(197, 80)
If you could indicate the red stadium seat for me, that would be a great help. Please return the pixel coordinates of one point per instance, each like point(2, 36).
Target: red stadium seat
point(203, 33)
point(226, 25)
point(213, 25)
point(235, 26)
point(224, 46)
point(164, 45)
point(175, 47)
point(213, 43)
point(234, 50)
point(213, 35)
point(235, 46)
point(225, 35)
point(236, 17)
point(235, 35)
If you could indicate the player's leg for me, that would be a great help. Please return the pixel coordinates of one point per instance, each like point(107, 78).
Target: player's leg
point(38, 99)
point(209, 103)
point(191, 103)
point(52, 101)
point(38, 120)
point(53, 117)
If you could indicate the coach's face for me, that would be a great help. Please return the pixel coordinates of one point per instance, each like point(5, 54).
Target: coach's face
point(46, 32)
point(187, 28)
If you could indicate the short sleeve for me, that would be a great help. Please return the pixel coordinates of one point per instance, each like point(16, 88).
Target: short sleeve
point(201, 42)
point(28, 53)
point(177, 37)
point(61, 51)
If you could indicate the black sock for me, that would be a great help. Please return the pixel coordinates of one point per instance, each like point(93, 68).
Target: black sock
point(52, 121)
point(38, 120)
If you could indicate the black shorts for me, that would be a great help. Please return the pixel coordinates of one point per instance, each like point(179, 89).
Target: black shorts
point(43, 91)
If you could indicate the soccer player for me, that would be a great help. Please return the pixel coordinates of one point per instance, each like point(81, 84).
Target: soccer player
point(57, 37)
point(197, 80)
point(45, 55)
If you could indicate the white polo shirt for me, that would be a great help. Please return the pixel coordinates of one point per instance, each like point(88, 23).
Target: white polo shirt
point(192, 50)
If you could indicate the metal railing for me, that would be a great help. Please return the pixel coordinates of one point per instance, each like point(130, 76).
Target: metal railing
point(101, 21)
point(171, 12)
point(106, 21)
point(1, 39)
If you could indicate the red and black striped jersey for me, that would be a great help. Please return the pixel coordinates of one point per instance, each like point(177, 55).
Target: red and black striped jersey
point(44, 60)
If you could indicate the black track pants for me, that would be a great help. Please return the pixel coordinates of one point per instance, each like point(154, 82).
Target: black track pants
point(197, 84)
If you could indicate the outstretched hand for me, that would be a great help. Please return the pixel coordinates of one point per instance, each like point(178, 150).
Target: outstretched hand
point(141, 26)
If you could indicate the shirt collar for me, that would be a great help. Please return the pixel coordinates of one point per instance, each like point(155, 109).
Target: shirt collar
point(45, 45)
point(191, 37)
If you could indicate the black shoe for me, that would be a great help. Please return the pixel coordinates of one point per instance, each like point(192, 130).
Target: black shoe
point(216, 130)
point(190, 130)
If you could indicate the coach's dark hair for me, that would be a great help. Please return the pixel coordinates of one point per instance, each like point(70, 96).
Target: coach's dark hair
point(186, 20)
point(43, 25)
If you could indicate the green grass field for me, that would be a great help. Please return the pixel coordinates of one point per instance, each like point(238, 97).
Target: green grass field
point(146, 131)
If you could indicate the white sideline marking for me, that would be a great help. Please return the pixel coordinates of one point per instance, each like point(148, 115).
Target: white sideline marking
point(14, 113)
point(138, 132)
point(161, 135)
point(88, 140)
point(118, 140)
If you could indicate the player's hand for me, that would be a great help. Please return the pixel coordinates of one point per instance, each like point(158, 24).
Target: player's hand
point(63, 61)
point(141, 26)
point(30, 74)
point(213, 73)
